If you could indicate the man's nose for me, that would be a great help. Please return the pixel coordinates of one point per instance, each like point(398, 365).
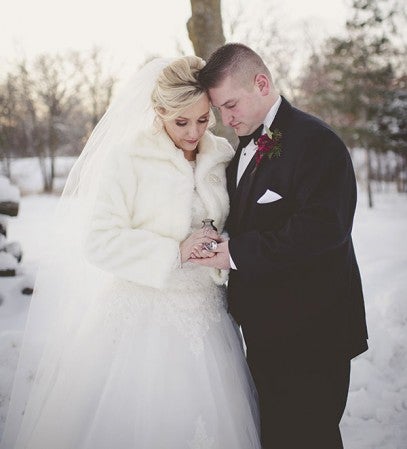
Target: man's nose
point(226, 117)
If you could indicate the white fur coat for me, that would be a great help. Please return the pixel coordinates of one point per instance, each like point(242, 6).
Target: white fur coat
point(144, 205)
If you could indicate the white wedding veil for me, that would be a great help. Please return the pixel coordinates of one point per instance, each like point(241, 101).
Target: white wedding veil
point(66, 284)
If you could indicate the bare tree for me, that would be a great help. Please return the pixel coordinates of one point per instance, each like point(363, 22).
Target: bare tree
point(30, 114)
point(10, 122)
point(56, 88)
point(49, 105)
point(49, 95)
point(97, 82)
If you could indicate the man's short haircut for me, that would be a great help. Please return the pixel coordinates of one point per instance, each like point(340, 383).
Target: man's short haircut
point(232, 59)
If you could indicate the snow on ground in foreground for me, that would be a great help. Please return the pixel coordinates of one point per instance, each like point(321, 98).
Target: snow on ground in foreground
point(376, 413)
point(29, 228)
point(26, 174)
point(8, 192)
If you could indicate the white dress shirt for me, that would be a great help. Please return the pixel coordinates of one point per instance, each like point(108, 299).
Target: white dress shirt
point(249, 151)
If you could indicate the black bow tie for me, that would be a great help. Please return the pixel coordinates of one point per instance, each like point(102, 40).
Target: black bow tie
point(245, 140)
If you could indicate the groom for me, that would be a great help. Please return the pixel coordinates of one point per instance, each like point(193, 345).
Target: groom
point(294, 283)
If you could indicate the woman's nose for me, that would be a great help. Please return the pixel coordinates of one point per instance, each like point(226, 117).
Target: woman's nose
point(193, 131)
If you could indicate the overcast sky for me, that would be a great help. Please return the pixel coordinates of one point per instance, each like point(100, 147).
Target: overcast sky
point(132, 30)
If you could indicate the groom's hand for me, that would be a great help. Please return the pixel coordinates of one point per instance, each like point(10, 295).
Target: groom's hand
point(191, 247)
point(220, 260)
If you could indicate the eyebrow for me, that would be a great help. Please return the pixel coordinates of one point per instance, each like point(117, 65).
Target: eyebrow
point(232, 100)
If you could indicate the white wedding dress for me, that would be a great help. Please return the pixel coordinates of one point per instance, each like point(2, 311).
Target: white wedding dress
point(152, 371)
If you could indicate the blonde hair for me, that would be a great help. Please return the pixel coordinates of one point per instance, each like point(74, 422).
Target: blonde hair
point(177, 88)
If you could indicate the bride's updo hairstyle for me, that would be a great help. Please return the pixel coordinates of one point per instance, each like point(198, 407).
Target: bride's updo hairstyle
point(177, 88)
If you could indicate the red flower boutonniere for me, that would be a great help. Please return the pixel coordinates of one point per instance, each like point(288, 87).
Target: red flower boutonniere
point(268, 145)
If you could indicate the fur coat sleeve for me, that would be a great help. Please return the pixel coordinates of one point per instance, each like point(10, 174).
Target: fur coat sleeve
point(114, 244)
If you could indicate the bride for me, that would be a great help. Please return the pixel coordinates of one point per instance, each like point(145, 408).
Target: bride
point(128, 344)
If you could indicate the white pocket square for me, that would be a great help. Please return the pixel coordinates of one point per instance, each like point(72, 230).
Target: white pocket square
point(269, 197)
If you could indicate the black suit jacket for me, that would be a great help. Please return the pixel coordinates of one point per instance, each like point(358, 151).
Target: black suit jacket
point(297, 286)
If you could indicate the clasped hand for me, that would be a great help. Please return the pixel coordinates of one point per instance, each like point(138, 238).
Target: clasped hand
point(192, 247)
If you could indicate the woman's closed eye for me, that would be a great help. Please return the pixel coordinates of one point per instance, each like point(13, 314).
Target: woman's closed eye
point(203, 120)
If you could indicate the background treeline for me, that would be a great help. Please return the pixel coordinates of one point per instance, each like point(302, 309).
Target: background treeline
point(48, 107)
point(357, 82)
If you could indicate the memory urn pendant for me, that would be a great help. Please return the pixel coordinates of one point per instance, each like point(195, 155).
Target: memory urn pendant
point(213, 244)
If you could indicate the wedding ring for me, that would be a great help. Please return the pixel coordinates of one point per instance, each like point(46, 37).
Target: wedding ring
point(210, 246)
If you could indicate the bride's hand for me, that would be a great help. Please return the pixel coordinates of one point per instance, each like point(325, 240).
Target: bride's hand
point(192, 247)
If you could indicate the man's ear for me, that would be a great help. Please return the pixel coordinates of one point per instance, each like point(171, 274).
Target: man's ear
point(262, 83)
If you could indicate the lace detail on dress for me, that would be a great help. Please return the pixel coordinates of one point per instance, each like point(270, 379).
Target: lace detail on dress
point(194, 318)
point(201, 439)
point(191, 303)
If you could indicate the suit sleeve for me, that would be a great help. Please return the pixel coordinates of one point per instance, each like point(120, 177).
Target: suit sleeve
point(324, 189)
point(114, 245)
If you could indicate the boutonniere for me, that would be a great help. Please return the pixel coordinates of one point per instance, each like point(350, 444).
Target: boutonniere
point(268, 145)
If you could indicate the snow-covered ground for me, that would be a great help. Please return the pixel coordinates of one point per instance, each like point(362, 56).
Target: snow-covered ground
point(30, 229)
point(26, 174)
point(8, 192)
point(376, 414)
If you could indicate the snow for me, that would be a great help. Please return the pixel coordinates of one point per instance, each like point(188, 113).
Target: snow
point(3, 221)
point(376, 412)
point(10, 342)
point(26, 174)
point(7, 261)
point(13, 248)
point(8, 192)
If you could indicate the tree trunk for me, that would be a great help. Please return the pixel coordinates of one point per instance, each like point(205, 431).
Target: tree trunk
point(402, 175)
point(369, 177)
point(206, 33)
point(42, 159)
point(6, 159)
point(53, 143)
point(379, 175)
point(205, 27)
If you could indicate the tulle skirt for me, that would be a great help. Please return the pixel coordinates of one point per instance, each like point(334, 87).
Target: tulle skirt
point(149, 369)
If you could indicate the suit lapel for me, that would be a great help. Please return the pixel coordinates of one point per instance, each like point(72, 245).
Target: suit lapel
point(243, 189)
point(231, 177)
point(231, 172)
point(241, 200)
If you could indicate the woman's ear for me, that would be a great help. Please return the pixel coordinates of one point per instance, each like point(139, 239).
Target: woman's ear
point(158, 122)
point(160, 111)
